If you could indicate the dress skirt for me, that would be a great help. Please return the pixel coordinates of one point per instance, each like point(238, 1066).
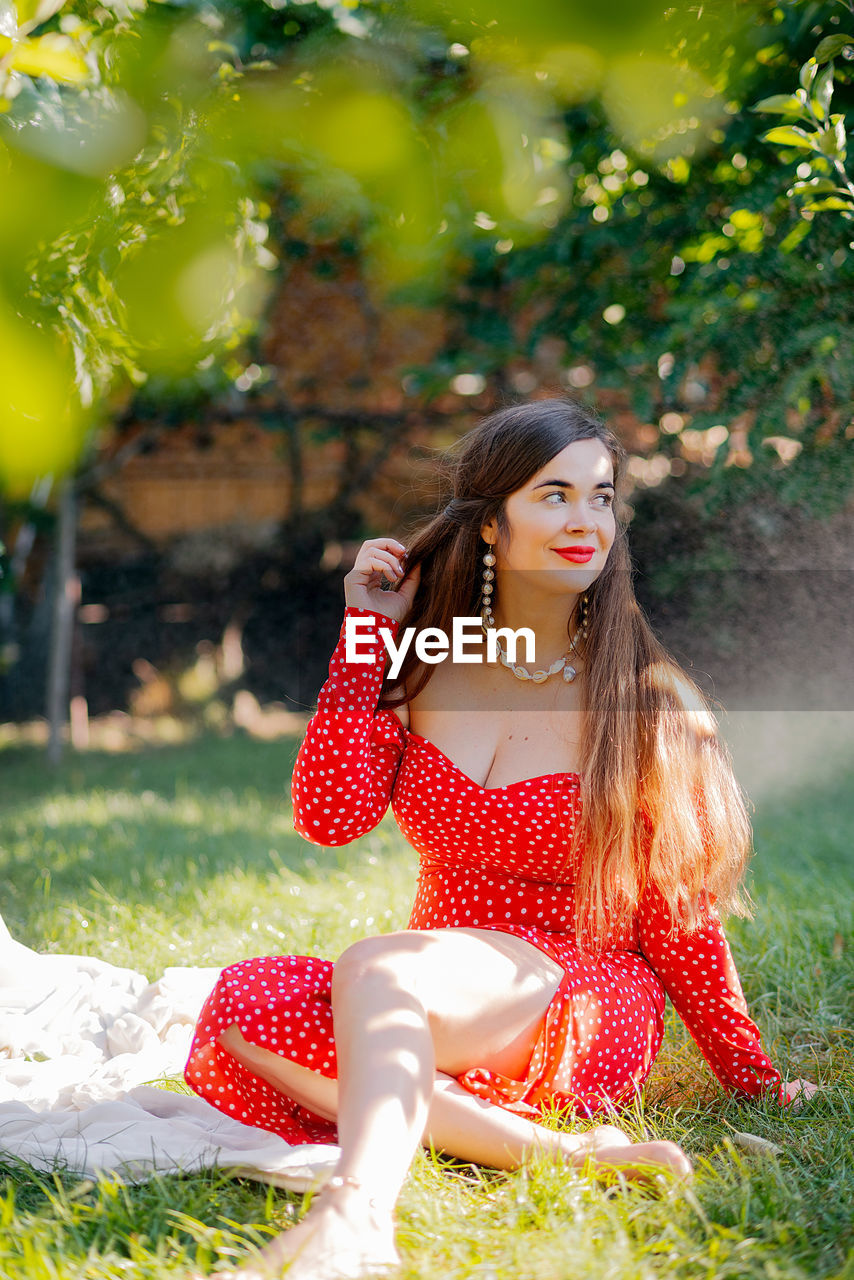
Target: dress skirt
point(599, 1039)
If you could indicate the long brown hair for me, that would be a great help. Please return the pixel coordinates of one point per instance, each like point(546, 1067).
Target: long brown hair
point(660, 806)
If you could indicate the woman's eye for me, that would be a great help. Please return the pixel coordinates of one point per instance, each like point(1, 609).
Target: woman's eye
point(605, 499)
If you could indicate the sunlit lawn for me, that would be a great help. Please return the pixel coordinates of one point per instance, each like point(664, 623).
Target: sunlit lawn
point(187, 856)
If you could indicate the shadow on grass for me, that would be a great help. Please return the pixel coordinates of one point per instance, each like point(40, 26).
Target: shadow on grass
point(194, 811)
point(169, 824)
point(208, 765)
point(165, 825)
point(148, 858)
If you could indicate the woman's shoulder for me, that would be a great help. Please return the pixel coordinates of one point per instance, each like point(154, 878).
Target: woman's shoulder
point(439, 690)
point(447, 684)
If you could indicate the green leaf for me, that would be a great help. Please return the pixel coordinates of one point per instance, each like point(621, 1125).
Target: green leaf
point(832, 141)
point(222, 46)
point(51, 55)
point(795, 236)
point(32, 13)
point(838, 122)
point(830, 46)
point(822, 91)
point(831, 202)
point(827, 143)
point(784, 104)
point(807, 74)
point(815, 186)
point(789, 135)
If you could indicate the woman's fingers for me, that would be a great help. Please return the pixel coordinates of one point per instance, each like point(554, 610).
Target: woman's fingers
point(798, 1091)
point(377, 560)
point(380, 555)
point(381, 544)
point(385, 565)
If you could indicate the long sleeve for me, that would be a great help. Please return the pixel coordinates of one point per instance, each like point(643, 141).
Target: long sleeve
point(699, 975)
point(346, 766)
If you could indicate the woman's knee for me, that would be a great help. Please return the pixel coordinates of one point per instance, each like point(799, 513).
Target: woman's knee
point(388, 957)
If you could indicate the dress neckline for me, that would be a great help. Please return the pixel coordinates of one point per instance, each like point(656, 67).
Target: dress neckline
point(480, 787)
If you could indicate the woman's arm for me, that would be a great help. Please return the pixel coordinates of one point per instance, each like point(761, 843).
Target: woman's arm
point(346, 765)
point(699, 975)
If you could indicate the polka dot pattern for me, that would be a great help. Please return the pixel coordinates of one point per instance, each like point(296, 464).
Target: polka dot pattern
point(490, 858)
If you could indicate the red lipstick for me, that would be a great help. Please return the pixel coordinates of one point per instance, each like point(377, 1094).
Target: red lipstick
point(580, 555)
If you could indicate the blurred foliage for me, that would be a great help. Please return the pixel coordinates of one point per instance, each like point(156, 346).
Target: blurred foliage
point(591, 176)
point(131, 245)
point(824, 140)
point(692, 281)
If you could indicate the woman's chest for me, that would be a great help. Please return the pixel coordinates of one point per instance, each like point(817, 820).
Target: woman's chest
point(499, 733)
point(524, 828)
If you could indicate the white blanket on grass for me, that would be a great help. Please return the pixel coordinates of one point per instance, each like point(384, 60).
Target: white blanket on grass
point(80, 1042)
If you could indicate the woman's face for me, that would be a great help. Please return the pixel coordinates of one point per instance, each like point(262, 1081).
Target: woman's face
point(561, 520)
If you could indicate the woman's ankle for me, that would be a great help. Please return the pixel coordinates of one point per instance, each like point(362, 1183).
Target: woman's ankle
point(353, 1198)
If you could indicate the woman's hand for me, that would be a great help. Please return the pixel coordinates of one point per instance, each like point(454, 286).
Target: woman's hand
point(380, 558)
point(797, 1091)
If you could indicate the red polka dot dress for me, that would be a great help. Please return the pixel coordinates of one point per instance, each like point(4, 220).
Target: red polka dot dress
point(490, 858)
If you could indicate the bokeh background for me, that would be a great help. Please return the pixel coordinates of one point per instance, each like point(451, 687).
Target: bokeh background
point(263, 261)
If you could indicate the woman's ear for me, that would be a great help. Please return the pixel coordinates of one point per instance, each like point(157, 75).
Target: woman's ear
point(489, 531)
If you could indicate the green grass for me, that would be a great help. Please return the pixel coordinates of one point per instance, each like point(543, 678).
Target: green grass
point(186, 855)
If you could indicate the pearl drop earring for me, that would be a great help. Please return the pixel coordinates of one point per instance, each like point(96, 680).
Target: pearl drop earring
point(488, 621)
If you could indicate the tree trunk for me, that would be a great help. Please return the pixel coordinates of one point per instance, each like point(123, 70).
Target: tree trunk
point(66, 592)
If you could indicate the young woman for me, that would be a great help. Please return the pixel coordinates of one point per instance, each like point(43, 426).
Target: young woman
point(578, 825)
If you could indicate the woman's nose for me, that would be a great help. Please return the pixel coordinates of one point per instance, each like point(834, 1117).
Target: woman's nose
point(580, 519)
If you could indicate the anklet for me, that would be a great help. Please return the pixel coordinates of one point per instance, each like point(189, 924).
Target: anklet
point(337, 1182)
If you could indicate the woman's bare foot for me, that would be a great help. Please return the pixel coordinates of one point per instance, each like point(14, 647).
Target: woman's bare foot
point(578, 1145)
point(606, 1149)
point(648, 1162)
point(342, 1237)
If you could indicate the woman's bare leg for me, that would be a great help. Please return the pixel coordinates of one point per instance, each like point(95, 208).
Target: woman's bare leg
point(458, 1123)
point(400, 1002)
point(386, 1066)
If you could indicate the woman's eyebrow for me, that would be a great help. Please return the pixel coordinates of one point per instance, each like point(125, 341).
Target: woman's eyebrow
point(567, 484)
